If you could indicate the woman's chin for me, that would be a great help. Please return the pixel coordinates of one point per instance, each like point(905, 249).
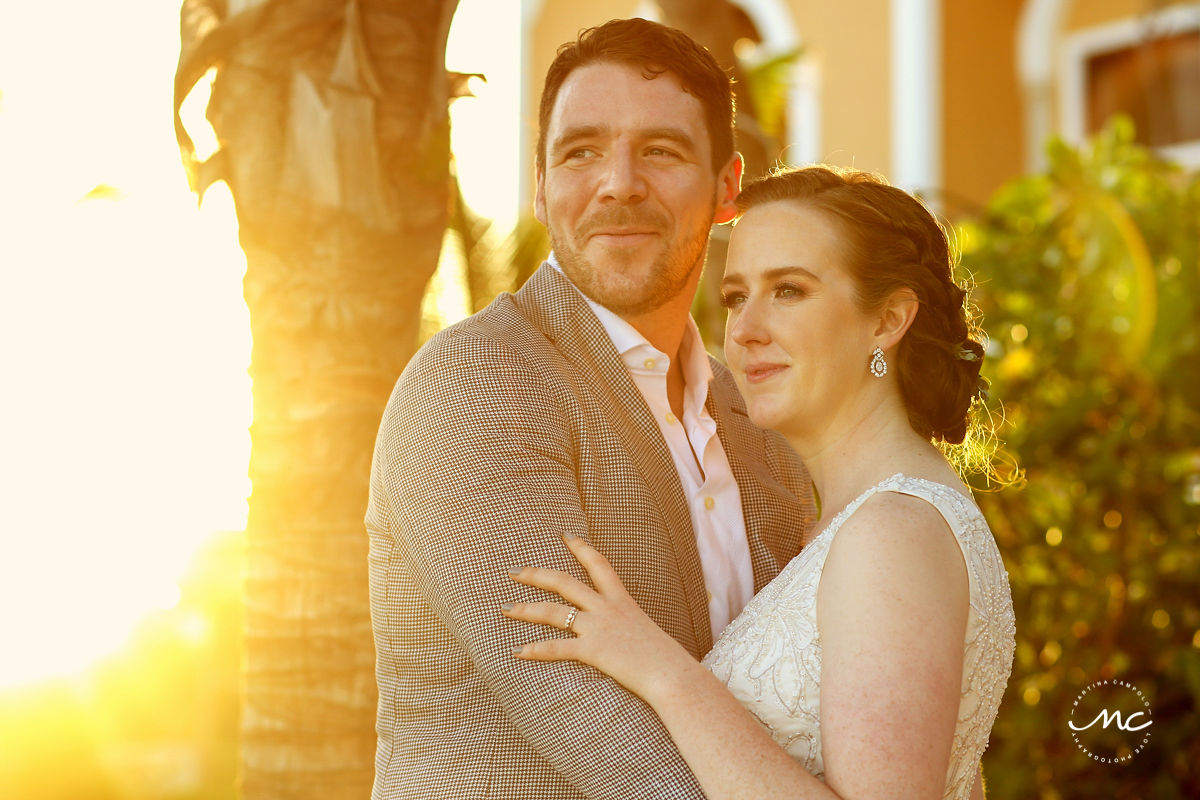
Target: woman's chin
point(767, 415)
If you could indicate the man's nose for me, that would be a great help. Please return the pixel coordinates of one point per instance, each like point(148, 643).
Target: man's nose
point(623, 180)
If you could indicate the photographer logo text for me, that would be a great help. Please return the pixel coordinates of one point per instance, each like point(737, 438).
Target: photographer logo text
point(1110, 721)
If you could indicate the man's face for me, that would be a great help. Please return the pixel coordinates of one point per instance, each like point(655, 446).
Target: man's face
point(628, 192)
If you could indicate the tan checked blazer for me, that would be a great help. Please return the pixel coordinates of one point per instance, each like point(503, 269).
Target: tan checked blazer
point(504, 431)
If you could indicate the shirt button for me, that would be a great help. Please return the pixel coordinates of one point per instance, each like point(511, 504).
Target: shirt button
point(710, 597)
point(671, 418)
point(709, 503)
point(648, 363)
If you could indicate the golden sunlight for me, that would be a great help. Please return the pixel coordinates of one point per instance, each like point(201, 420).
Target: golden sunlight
point(485, 37)
point(125, 443)
point(126, 415)
point(485, 137)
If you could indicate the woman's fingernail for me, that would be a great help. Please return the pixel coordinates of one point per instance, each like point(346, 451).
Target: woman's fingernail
point(517, 649)
point(506, 606)
point(515, 570)
point(569, 536)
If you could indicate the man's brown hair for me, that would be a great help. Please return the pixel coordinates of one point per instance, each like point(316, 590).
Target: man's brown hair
point(655, 49)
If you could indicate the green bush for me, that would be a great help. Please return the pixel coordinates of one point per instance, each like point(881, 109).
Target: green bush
point(1088, 279)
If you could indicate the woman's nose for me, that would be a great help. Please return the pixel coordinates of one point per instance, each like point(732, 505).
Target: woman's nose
point(747, 325)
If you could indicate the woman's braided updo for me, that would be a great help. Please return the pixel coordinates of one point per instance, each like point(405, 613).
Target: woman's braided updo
point(891, 242)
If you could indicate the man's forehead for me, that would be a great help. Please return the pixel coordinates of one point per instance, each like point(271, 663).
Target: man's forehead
point(610, 76)
point(605, 92)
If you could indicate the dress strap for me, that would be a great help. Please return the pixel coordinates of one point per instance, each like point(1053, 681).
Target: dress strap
point(959, 510)
point(848, 510)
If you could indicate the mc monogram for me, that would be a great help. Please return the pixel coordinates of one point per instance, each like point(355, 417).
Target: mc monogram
point(1124, 715)
point(1127, 725)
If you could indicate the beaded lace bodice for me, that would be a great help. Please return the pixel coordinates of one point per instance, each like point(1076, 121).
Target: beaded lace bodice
point(770, 656)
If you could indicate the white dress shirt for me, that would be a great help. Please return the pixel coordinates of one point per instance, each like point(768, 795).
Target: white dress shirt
point(708, 484)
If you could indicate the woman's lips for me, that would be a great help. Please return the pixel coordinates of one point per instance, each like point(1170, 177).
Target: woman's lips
point(757, 373)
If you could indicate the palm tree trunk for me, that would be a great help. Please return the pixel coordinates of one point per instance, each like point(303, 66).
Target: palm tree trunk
point(332, 116)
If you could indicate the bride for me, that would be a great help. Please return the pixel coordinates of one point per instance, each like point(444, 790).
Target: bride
point(874, 664)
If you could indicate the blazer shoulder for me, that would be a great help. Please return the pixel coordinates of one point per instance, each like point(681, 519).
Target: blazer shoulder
point(498, 335)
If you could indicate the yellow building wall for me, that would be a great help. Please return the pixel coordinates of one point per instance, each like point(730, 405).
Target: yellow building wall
point(982, 114)
point(849, 40)
point(982, 123)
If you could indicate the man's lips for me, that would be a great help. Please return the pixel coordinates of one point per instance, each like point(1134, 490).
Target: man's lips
point(621, 236)
point(757, 373)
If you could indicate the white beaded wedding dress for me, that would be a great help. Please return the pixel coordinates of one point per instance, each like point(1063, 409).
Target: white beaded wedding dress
point(770, 656)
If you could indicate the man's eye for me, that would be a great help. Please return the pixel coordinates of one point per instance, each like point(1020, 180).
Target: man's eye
point(661, 152)
point(580, 152)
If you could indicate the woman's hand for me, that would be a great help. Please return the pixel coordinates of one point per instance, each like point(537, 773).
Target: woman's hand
point(612, 633)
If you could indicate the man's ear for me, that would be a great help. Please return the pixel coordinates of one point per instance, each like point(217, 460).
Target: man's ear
point(896, 317)
point(539, 195)
point(729, 183)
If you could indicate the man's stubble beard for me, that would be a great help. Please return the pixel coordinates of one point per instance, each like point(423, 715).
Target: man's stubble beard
point(668, 276)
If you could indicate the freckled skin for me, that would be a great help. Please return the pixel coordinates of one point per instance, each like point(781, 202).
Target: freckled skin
point(792, 307)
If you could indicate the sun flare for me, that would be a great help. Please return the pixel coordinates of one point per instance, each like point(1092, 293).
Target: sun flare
point(125, 428)
point(125, 442)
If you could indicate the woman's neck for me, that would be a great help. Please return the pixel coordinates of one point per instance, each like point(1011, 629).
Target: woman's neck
point(846, 461)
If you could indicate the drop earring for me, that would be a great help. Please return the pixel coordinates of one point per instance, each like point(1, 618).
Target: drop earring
point(878, 365)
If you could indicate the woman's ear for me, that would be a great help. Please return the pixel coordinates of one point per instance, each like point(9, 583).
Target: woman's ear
point(896, 316)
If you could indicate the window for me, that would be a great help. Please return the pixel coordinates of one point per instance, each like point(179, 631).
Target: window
point(1147, 68)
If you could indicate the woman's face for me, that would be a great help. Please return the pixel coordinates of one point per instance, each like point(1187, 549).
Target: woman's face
point(796, 340)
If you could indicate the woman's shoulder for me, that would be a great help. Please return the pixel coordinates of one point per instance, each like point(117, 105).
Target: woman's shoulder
point(894, 546)
point(891, 524)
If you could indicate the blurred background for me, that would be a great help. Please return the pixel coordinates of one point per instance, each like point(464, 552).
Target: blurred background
point(203, 314)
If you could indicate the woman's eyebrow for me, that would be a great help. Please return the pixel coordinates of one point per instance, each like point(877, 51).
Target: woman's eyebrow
point(774, 273)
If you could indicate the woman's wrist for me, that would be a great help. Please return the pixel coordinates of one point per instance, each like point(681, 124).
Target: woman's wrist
point(674, 679)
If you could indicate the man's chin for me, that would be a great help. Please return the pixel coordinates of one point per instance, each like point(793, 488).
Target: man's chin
point(633, 259)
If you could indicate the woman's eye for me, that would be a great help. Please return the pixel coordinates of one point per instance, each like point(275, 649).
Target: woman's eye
point(732, 300)
point(788, 291)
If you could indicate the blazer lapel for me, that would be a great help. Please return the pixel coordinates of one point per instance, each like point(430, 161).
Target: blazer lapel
point(558, 309)
point(775, 518)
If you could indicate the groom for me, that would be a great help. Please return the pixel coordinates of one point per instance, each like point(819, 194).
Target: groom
point(584, 403)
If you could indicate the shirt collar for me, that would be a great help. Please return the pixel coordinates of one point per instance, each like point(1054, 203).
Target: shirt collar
point(633, 347)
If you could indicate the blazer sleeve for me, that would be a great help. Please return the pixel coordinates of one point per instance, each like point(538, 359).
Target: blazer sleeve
point(477, 465)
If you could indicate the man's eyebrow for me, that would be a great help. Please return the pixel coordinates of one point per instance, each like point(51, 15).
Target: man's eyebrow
point(572, 135)
point(676, 135)
point(579, 132)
